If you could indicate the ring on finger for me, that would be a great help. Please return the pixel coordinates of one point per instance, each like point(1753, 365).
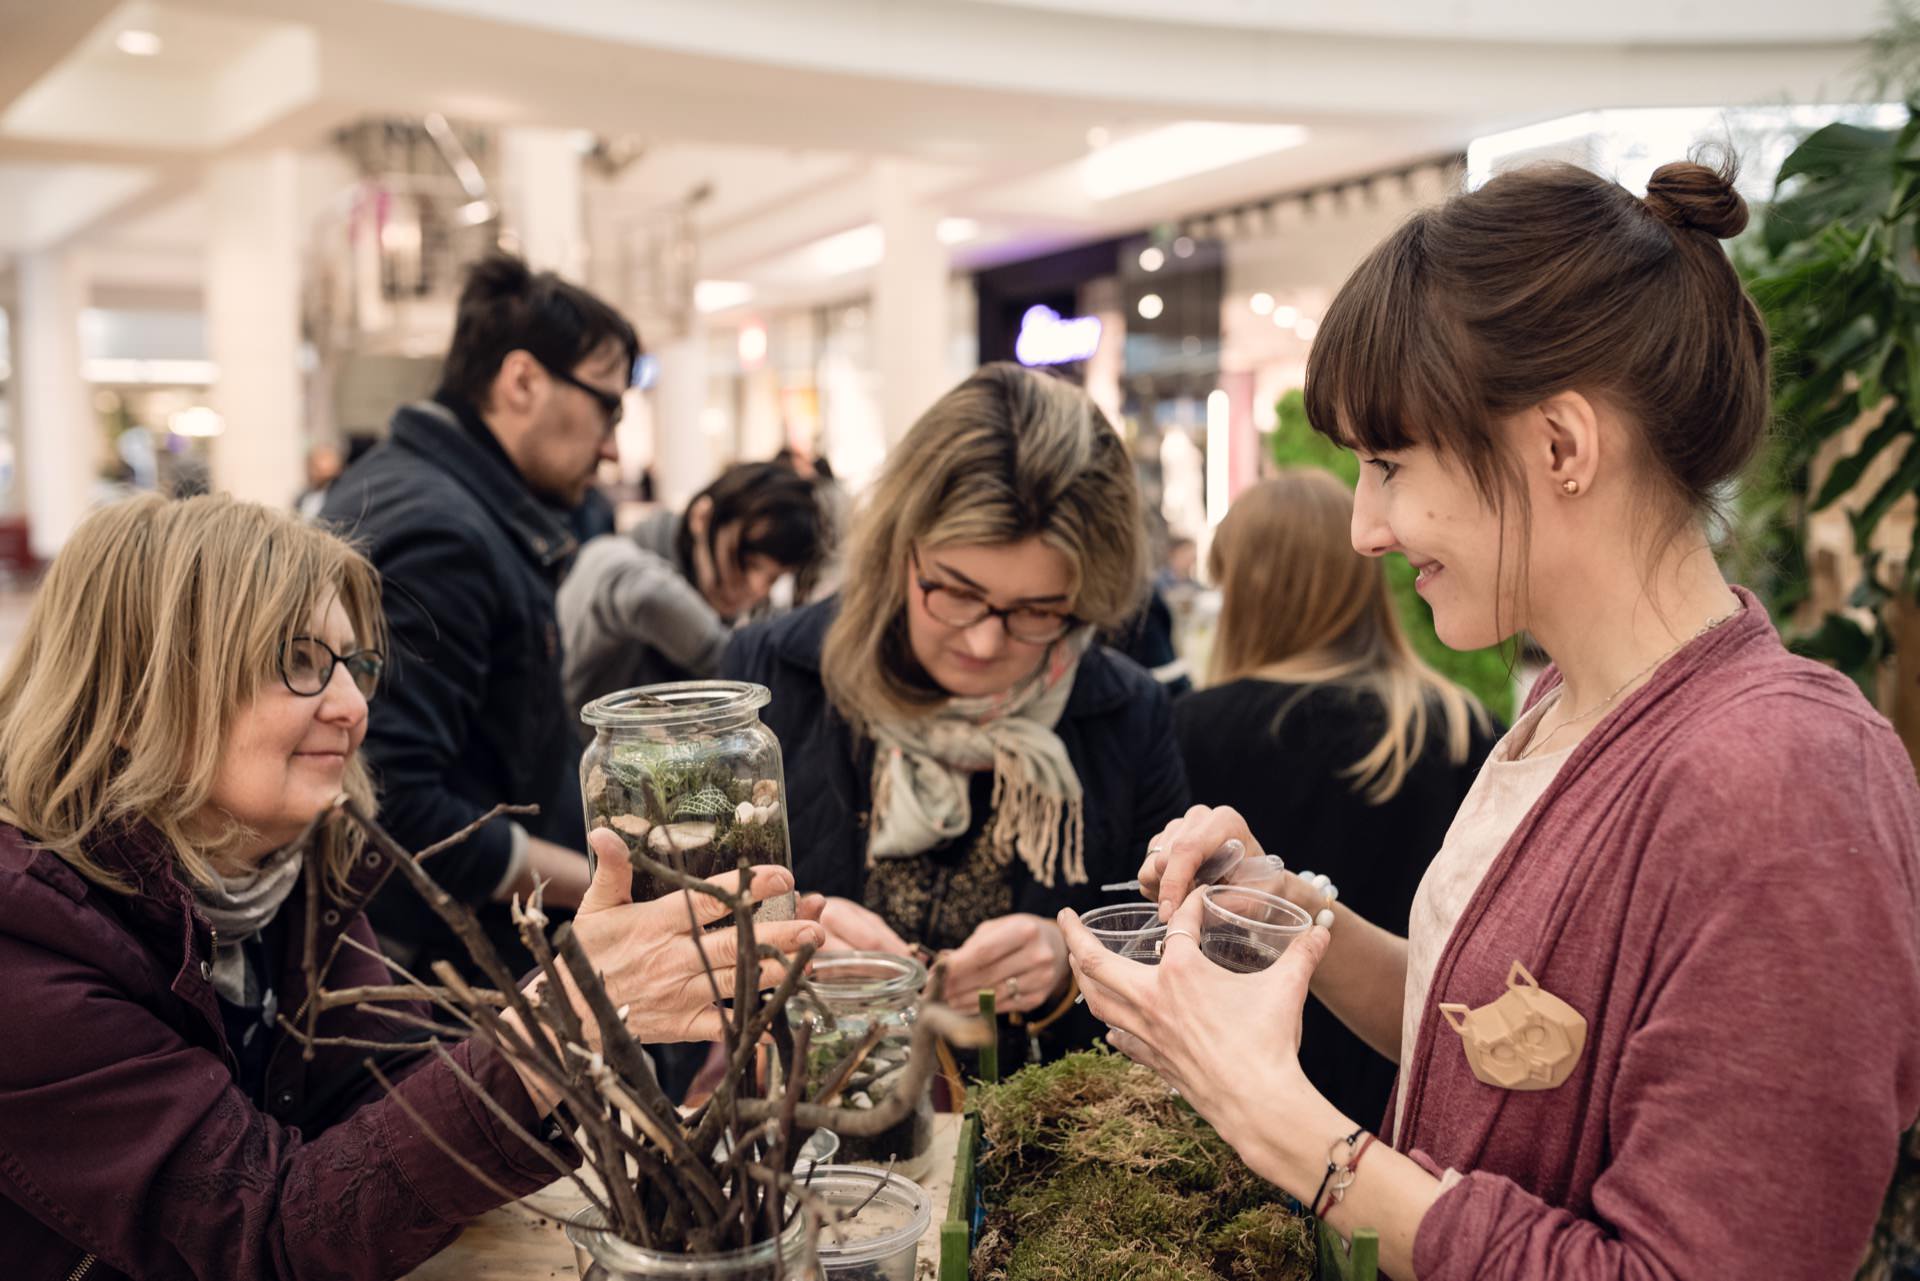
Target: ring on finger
point(1013, 988)
point(1160, 947)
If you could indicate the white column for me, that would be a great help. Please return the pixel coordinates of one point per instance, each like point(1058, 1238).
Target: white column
point(682, 457)
point(253, 325)
point(909, 303)
point(541, 191)
point(59, 440)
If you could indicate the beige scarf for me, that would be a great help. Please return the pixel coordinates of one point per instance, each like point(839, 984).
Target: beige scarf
point(921, 769)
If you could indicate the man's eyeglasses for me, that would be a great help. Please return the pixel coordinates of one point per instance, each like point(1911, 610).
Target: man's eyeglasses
point(959, 607)
point(307, 664)
point(611, 403)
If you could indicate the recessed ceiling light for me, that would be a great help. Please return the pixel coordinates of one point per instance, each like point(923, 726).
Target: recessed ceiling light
point(1183, 247)
point(1262, 304)
point(138, 42)
point(1152, 258)
point(1151, 305)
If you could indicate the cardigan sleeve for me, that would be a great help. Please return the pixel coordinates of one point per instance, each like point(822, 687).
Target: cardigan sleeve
point(1773, 1052)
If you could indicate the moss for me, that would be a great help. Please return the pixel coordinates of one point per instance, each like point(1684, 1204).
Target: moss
point(1093, 1168)
point(755, 842)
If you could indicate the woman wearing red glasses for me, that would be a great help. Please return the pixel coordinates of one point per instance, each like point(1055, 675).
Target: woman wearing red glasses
point(964, 757)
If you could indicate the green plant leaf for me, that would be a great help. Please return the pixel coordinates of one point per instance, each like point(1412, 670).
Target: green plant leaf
point(1897, 486)
point(1846, 645)
point(1847, 472)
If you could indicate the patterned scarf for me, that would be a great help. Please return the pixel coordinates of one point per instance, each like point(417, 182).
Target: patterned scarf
point(921, 770)
point(239, 907)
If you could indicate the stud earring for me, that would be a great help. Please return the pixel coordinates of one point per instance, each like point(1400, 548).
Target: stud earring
point(1571, 486)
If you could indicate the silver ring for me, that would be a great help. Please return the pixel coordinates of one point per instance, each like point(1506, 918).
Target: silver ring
point(1160, 947)
point(1013, 988)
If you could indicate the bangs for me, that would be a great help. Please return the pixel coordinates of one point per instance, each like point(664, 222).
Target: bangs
point(295, 570)
point(1391, 367)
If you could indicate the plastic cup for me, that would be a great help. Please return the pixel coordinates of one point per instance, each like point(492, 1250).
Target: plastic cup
point(1244, 930)
point(1134, 930)
point(881, 1242)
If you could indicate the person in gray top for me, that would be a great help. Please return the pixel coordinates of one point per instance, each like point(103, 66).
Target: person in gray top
point(657, 603)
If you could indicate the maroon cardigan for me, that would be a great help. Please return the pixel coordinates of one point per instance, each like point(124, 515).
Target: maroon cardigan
point(124, 1138)
point(1724, 879)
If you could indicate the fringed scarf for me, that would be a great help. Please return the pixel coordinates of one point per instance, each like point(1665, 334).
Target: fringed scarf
point(921, 768)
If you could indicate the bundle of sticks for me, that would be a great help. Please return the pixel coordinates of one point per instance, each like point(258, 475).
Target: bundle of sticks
point(716, 1179)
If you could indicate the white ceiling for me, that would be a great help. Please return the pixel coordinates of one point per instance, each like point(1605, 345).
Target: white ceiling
point(785, 107)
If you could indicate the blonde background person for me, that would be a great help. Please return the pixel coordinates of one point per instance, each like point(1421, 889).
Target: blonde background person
point(1324, 729)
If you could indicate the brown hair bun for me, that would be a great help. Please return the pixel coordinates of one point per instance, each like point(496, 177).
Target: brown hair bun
point(1686, 194)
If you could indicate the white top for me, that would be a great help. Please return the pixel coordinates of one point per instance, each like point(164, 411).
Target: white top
point(1500, 797)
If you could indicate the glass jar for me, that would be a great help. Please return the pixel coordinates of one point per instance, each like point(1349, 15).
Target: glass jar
point(859, 991)
point(687, 772)
point(601, 1256)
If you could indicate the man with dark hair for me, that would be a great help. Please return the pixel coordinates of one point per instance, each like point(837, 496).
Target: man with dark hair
point(464, 510)
point(657, 603)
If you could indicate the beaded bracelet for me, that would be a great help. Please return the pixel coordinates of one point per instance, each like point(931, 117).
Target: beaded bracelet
point(1340, 1178)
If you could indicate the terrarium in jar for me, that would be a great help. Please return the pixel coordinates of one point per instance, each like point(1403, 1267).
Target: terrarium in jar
point(687, 773)
point(857, 993)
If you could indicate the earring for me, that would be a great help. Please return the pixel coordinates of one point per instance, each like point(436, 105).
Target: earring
point(1571, 486)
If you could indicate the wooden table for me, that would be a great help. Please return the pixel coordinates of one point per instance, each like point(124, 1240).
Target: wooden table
point(524, 1240)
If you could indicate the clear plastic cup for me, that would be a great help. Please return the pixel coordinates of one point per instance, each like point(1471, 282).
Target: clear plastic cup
point(1244, 930)
point(882, 1241)
point(1134, 930)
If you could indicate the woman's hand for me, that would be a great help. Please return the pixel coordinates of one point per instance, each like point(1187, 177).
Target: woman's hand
point(1228, 1042)
point(649, 957)
point(1173, 857)
point(851, 927)
point(1022, 957)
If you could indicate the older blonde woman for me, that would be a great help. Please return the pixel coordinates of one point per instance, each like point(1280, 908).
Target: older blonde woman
point(191, 690)
point(964, 758)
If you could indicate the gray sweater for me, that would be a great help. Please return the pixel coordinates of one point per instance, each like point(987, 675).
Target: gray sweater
point(628, 616)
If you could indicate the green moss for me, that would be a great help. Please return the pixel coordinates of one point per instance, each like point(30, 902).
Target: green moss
point(755, 842)
point(1093, 1168)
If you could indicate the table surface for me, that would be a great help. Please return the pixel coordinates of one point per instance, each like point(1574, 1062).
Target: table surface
point(524, 1240)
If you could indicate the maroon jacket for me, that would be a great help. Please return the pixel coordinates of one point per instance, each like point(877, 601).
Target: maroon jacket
point(1724, 879)
point(125, 1141)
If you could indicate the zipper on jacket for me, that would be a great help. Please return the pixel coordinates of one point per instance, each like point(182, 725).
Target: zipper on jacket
point(81, 1268)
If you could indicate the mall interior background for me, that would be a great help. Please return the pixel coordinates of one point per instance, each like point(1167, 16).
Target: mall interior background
point(232, 230)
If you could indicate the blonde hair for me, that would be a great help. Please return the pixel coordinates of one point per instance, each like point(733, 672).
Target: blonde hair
point(155, 626)
point(1299, 605)
point(1007, 455)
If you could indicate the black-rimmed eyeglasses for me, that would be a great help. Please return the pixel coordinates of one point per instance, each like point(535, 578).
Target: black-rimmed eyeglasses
point(307, 664)
point(961, 607)
point(611, 403)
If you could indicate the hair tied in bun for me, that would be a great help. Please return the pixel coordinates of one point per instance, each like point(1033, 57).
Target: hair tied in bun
point(1689, 195)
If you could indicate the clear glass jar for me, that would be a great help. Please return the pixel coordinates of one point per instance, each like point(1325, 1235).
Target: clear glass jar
point(858, 992)
point(601, 1256)
point(687, 772)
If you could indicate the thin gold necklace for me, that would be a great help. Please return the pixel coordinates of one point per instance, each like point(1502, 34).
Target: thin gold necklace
point(1602, 705)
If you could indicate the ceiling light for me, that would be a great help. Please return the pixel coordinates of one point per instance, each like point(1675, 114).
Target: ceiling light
point(720, 295)
point(1172, 152)
point(474, 212)
point(957, 231)
point(1183, 247)
point(1098, 137)
point(1286, 317)
point(753, 345)
point(1152, 258)
point(199, 421)
point(138, 42)
point(1262, 304)
point(1307, 328)
point(1151, 305)
point(849, 251)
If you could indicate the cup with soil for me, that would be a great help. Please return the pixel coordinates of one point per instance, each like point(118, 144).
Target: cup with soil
point(887, 1214)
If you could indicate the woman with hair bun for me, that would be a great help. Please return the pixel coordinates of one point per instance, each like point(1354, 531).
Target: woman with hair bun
point(1657, 1013)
